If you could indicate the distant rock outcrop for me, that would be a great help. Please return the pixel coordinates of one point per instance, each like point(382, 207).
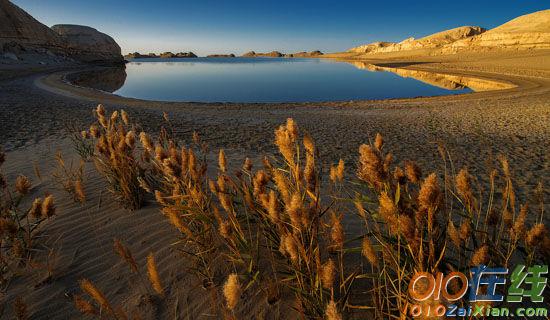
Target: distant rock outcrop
point(89, 45)
point(371, 47)
point(304, 54)
point(277, 54)
point(137, 55)
point(315, 53)
point(231, 55)
point(272, 54)
point(249, 54)
point(436, 40)
point(167, 55)
point(186, 55)
point(530, 31)
point(177, 55)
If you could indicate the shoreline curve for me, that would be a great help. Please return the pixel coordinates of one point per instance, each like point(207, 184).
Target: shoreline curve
point(56, 83)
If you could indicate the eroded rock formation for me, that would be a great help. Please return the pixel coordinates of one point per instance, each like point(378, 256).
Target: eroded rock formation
point(24, 38)
point(436, 40)
point(530, 31)
point(19, 28)
point(88, 45)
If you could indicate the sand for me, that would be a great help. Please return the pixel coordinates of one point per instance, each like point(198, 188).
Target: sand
point(34, 109)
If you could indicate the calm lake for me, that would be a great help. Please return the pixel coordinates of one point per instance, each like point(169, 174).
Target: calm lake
point(273, 80)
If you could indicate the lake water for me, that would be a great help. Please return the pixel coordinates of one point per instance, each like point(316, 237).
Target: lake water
point(269, 80)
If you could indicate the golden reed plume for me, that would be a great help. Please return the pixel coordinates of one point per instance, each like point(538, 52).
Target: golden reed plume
point(232, 291)
point(332, 311)
point(96, 294)
point(153, 274)
point(125, 254)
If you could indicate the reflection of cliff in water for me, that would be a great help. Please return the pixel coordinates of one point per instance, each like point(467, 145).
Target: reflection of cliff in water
point(105, 79)
point(445, 81)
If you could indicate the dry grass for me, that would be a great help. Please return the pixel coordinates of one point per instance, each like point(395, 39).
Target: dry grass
point(70, 178)
point(413, 225)
point(276, 231)
point(116, 158)
point(100, 306)
point(269, 224)
point(81, 141)
point(18, 226)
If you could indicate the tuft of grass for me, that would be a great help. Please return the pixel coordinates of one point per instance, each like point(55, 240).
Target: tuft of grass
point(19, 225)
point(116, 157)
point(70, 178)
point(81, 141)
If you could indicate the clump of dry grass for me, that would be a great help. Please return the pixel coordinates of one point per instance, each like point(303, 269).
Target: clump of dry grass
point(101, 306)
point(18, 226)
point(183, 194)
point(116, 157)
point(70, 178)
point(81, 141)
point(84, 306)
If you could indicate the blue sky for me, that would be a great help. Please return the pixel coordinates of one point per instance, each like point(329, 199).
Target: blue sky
point(208, 26)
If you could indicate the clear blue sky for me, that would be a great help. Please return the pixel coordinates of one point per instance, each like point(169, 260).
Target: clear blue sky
point(208, 26)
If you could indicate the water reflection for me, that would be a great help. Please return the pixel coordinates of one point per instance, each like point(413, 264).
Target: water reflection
point(105, 79)
point(272, 80)
point(444, 81)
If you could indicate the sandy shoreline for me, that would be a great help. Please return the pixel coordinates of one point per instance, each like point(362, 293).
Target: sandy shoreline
point(504, 118)
point(475, 128)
